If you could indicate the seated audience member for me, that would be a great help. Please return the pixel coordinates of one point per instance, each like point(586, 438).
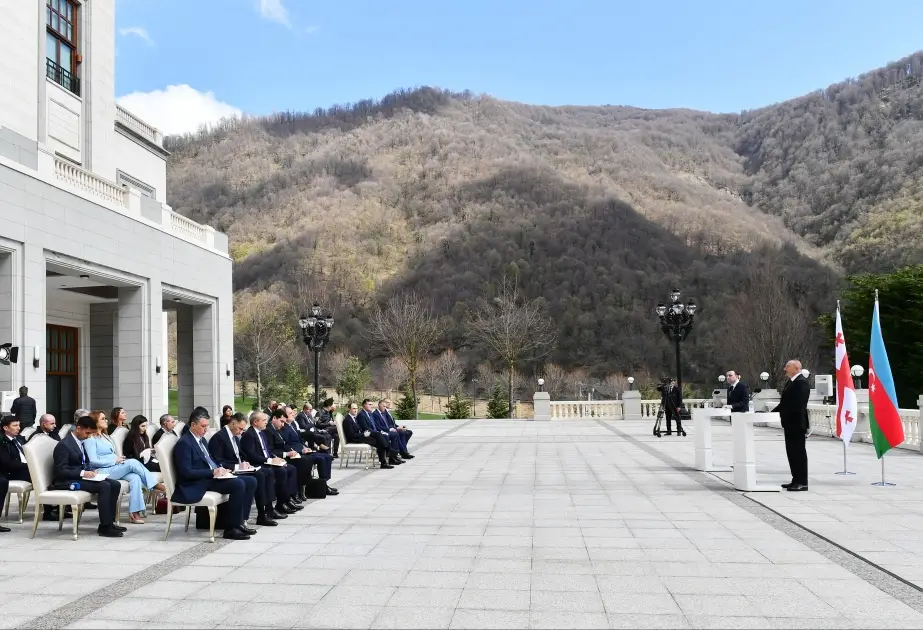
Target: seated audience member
point(227, 452)
point(138, 446)
point(4, 488)
point(322, 460)
point(255, 448)
point(197, 472)
point(355, 435)
point(292, 458)
point(381, 425)
point(326, 422)
point(13, 466)
point(102, 457)
point(118, 417)
point(72, 466)
point(47, 426)
point(167, 425)
point(367, 424)
point(384, 420)
point(226, 412)
point(313, 439)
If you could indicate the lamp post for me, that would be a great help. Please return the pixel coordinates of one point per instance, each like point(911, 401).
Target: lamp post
point(631, 383)
point(676, 322)
point(722, 378)
point(315, 332)
point(857, 371)
point(541, 384)
point(764, 376)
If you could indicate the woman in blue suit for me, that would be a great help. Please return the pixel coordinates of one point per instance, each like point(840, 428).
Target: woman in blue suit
point(101, 453)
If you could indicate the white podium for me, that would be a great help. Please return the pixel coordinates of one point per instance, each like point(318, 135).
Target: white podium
point(745, 451)
point(701, 422)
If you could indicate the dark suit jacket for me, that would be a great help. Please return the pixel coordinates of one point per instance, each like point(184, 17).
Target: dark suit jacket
point(389, 419)
point(324, 420)
point(24, 409)
point(250, 448)
point(366, 423)
point(193, 474)
point(53, 435)
point(159, 435)
point(380, 422)
point(793, 406)
point(10, 461)
point(68, 462)
point(739, 398)
point(276, 441)
point(351, 430)
point(293, 441)
point(222, 451)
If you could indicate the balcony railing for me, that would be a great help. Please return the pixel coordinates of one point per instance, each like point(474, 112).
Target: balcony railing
point(146, 131)
point(62, 77)
point(90, 183)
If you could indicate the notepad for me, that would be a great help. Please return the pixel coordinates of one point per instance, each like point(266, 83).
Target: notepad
point(243, 471)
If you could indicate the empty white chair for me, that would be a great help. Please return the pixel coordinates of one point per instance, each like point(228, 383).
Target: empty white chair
point(152, 428)
point(211, 500)
point(25, 433)
point(64, 430)
point(347, 449)
point(118, 439)
point(39, 457)
point(22, 489)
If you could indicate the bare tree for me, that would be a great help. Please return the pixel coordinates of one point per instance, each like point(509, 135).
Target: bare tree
point(556, 381)
point(512, 329)
point(615, 384)
point(771, 325)
point(407, 329)
point(262, 332)
point(429, 374)
point(393, 374)
point(335, 364)
point(451, 372)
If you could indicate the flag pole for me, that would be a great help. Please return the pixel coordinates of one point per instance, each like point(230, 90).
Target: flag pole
point(845, 471)
point(883, 483)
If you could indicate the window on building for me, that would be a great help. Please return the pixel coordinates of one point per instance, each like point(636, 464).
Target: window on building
point(61, 43)
point(124, 179)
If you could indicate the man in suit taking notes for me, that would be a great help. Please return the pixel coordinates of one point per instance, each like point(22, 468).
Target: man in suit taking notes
point(793, 411)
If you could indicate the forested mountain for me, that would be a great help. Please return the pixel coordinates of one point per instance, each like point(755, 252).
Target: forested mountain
point(596, 210)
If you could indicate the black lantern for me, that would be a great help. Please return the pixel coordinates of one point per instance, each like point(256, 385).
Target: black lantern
point(315, 332)
point(676, 323)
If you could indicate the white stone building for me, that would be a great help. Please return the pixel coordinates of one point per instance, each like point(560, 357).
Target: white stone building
point(91, 256)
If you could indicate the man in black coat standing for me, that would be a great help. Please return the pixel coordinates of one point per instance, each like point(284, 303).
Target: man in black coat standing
point(672, 397)
point(738, 398)
point(793, 411)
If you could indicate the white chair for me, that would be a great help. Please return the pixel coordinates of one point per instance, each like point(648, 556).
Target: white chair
point(39, 457)
point(209, 433)
point(64, 430)
point(211, 500)
point(151, 430)
point(118, 439)
point(21, 488)
point(25, 433)
point(347, 449)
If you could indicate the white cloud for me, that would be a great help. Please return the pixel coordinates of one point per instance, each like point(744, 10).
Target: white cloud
point(137, 31)
point(274, 11)
point(178, 108)
point(311, 30)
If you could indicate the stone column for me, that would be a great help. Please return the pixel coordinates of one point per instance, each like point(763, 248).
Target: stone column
point(185, 381)
point(631, 405)
point(132, 385)
point(6, 319)
point(541, 402)
point(103, 377)
point(34, 323)
point(205, 360)
point(863, 431)
point(164, 363)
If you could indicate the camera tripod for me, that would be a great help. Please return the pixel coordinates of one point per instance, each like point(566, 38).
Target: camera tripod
point(660, 415)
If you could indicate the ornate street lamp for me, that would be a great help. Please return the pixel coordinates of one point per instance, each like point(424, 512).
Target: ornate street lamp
point(315, 332)
point(722, 378)
point(676, 322)
point(857, 371)
point(541, 384)
point(631, 383)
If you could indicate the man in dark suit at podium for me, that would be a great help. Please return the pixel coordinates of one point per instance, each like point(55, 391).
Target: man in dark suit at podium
point(738, 397)
point(793, 411)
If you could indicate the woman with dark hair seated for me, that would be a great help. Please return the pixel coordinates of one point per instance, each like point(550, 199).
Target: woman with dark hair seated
point(226, 412)
point(138, 445)
point(117, 418)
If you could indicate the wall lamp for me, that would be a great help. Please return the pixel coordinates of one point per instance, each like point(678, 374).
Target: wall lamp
point(157, 365)
point(36, 354)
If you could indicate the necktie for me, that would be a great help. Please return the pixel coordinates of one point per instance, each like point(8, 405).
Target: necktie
point(236, 442)
point(263, 443)
point(83, 454)
point(18, 445)
point(208, 458)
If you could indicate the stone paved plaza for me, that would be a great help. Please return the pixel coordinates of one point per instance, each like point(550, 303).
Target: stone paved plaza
point(516, 524)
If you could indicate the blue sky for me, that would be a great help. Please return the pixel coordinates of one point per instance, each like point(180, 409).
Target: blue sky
point(259, 56)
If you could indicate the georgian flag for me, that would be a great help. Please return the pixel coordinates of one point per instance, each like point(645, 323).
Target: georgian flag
point(847, 407)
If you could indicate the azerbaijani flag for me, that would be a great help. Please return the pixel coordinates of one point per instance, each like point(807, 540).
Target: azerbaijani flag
point(884, 417)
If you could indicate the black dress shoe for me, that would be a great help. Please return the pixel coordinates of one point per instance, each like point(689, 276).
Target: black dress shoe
point(788, 485)
point(285, 509)
point(407, 456)
point(272, 514)
point(108, 532)
point(797, 487)
point(332, 491)
point(296, 500)
point(385, 466)
point(295, 507)
point(395, 462)
point(88, 506)
point(265, 521)
point(4, 530)
point(235, 534)
point(119, 528)
point(249, 531)
point(302, 498)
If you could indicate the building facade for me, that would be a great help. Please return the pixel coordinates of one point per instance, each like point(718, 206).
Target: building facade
point(92, 258)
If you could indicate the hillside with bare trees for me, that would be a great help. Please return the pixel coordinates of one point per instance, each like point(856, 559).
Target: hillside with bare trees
point(596, 211)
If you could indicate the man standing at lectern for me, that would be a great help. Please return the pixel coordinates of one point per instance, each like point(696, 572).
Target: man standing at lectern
point(738, 396)
point(793, 411)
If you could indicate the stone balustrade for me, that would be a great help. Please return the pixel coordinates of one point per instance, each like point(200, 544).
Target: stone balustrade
point(611, 409)
point(142, 129)
point(823, 422)
point(73, 176)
